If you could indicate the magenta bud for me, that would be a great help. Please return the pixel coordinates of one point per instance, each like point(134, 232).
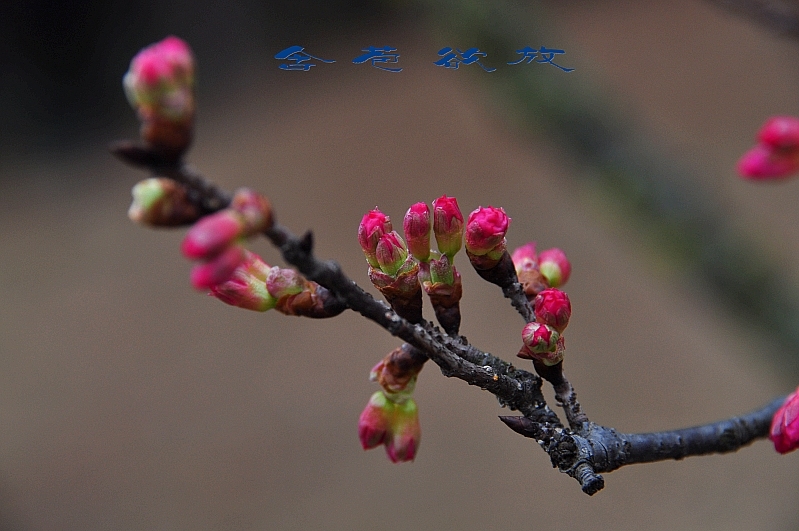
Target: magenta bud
point(284, 282)
point(524, 258)
point(375, 421)
point(373, 226)
point(160, 81)
point(763, 163)
point(403, 441)
point(785, 425)
point(485, 231)
point(554, 267)
point(541, 342)
point(416, 225)
point(246, 288)
point(254, 209)
point(219, 269)
point(391, 253)
point(447, 225)
point(553, 308)
point(212, 234)
point(780, 132)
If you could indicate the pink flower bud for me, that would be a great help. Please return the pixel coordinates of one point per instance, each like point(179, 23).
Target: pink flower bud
point(391, 253)
point(447, 225)
point(375, 421)
point(780, 132)
point(785, 425)
point(212, 234)
point(541, 342)
point(405, 434)
point(485, 230)
point(554, 267)
point(373, 226)
point(161, 203)
point(246, 288)
point(417, 231)
point(219, 269)
point(284, 282)
point(160, 81)
point(763, 162)
point(524, 258)
point(553, 308)
point(254, 209)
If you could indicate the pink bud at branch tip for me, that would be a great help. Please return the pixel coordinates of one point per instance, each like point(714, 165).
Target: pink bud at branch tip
point(785, 425)
point(391, 253)
point(447, 225)
point(373, 226)
point(780, 132)
point(524, 258)
point(416, 225)
point(763, 163)
point(541, 343)
point(212, 234)
point(485, 231)
point(554, 267)
point(219, 269)
point(553, 308)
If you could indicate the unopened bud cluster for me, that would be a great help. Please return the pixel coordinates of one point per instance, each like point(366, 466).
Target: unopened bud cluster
point(160, 85)
point(391, 417)
point(215, 241)
point(776, 154)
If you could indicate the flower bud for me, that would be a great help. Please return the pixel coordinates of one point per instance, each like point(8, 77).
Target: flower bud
point(373, 226)
point(785, 425)
point(160, 81)
point(161, 203)
point(284, 282)
point(405, 433)
point(524, 258)
point(553, 308)
point(554, 267)
point(212, 234)
point(219, 269)
point(485, 231)
point(416, 225)
point(780, 132)
point(391, 253)
point(375, 421)
point(160, 85)
point(246, 288)
point(763, 162)
point(254, 209)
point(447, 225)
point(541, 342)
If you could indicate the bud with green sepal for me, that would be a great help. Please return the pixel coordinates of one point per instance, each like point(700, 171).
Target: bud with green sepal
point(448, 225)
point(161, 202)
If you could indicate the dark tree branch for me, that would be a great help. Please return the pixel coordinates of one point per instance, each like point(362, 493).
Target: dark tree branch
point(581, 451)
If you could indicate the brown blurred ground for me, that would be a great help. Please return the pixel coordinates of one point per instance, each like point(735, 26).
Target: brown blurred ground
point(129, 402)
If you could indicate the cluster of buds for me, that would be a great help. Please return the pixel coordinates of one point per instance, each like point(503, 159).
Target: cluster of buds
point(543, 338)
point(256, 286)
point(215, 240)
point(400, 271)
point(160, 85)
point(776, 155)
point(536, 272)
point(391, 417)
point(785, 425)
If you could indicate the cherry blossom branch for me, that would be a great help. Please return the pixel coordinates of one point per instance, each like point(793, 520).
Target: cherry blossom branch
point(582, 451)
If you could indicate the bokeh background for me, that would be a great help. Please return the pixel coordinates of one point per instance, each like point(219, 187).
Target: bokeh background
point(128, 401)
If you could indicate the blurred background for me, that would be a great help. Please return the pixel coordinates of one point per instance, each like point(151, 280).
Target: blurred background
point(129, 401)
